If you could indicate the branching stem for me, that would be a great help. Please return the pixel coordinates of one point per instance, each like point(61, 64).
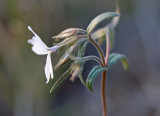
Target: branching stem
point(105, 61)
point(98, 49)
point(94, 58)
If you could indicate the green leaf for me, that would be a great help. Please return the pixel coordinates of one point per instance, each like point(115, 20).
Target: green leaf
point(114, 57)
point(99, 19)
point(60, 80)
point(93, 70)
point(92, 75)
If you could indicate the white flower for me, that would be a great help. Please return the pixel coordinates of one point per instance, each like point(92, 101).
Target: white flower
point(41, 49)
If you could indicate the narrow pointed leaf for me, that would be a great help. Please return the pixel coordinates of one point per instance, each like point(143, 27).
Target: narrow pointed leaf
point(60, 80)
point(99, 19)
point(114, 57)
point(93, 70)
point(92, 75)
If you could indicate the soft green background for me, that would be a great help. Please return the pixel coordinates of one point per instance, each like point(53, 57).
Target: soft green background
point(23, 91)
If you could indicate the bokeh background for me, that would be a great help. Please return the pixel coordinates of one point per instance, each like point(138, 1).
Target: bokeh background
point(23, 91)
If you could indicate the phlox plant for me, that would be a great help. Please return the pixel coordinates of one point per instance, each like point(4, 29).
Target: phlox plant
point(75, 41)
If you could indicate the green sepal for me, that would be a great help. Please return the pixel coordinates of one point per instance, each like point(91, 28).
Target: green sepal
point(81, 79)
point(81, 49)
point(99, 19)
point(65, 58)
point(60, 80)
point(115, 57)
point(92, 75)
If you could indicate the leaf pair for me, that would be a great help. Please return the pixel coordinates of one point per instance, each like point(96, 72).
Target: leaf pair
point(113, 58)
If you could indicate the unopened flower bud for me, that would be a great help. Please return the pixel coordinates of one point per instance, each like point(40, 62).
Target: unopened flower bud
point(67, 33)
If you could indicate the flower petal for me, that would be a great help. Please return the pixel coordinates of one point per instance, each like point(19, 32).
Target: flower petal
point(38, 45)
point(36, 37)
point(48, 68)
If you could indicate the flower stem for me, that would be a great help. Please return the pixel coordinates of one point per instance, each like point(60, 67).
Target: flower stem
point(103, 93)
point(104, 106)
point(104, 76)
point(98, 49)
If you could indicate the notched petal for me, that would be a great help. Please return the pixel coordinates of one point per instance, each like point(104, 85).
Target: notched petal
point(38, 45)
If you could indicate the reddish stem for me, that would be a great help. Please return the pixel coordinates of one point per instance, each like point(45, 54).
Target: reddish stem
point(105, 75)
point(103, 93)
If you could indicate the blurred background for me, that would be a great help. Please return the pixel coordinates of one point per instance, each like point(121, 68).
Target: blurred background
point(23, 88)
